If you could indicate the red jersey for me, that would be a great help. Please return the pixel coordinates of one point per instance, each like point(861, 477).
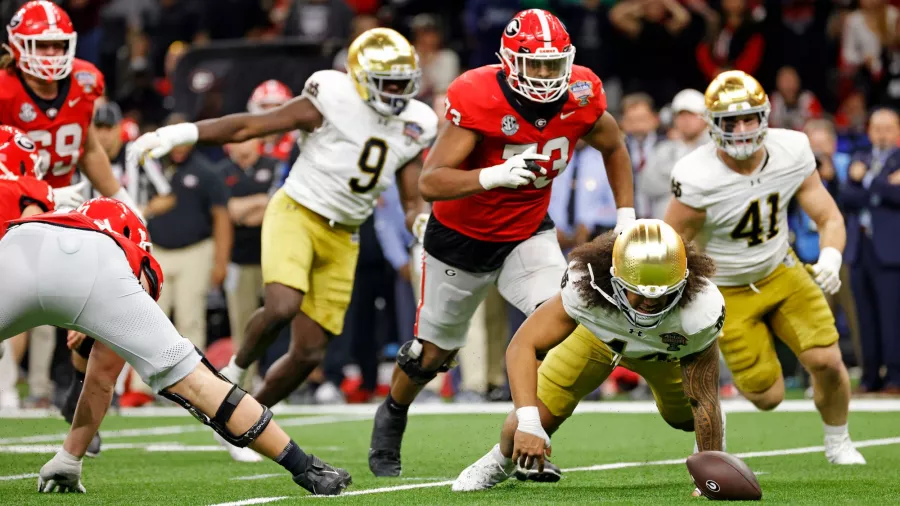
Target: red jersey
point(280, 149)
point(17, 193)
point(58, 127)
point(481, 101)
point(138, 259)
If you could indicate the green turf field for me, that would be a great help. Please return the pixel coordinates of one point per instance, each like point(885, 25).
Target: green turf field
point(173, 460)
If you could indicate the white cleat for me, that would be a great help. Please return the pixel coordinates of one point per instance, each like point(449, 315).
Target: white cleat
point(840, 450)
point(234, 373)
point(238, 454)
point(484, 474)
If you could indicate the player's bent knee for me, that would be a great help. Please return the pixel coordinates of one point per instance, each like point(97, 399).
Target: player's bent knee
point(282, 303)
point(219, 421)
point(822, 360)
point(768, 400)
point(422, 368)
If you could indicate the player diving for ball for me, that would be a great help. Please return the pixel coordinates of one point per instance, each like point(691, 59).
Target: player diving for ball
point(641, 300)
point(731, 198)
point(364, 130)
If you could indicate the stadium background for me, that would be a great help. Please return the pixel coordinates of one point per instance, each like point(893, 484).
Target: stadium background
point(203, 58)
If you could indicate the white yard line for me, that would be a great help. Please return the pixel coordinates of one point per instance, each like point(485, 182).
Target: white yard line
point(179, 429)
point(600, 467)
point(492, 408)
point(257, 476)
point(18, 477)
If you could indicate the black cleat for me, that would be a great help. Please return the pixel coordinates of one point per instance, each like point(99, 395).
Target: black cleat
point(387, 436)
point(93, 448)
point(323, 479)
point(551, 473)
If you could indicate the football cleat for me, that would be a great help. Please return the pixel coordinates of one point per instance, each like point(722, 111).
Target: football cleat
point(551, 473)
point(93, 449)
point(840, 450)
point(323, 479)
point(484, 474)
point(387, 436)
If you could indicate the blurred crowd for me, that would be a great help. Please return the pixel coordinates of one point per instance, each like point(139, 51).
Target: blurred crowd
point(832, 69)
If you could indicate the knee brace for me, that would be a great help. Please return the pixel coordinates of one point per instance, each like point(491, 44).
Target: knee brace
point(409, 359)
point(84, 349)
point(219, 422)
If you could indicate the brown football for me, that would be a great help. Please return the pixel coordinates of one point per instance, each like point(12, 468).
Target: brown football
point(723, 477)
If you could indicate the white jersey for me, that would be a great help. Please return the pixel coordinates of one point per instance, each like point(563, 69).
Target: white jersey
point(347, 162)
point(746, 229)
point(684, 331)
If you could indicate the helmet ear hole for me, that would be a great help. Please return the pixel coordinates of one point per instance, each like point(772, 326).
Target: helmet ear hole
point(126, 232)
point(22, 169)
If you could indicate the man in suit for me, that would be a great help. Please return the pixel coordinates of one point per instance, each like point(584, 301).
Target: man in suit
point(871, 200)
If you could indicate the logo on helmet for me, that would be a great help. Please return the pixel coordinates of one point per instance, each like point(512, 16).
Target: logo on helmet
point(16, 20)
point(24, 142)
point(513, 27)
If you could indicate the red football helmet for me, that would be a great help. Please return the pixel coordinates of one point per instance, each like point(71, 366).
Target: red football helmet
point(42, 22)
point(267, 94)
point(18, 155)
point(113, 215)
point(537, 55)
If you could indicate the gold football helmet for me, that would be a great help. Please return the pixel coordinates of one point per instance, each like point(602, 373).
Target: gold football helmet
point(385, 68)
point(648, 259)
point(731, 94)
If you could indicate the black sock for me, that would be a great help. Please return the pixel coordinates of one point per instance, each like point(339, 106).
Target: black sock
point(293, 459)
point(395, 408)
point(72, 395)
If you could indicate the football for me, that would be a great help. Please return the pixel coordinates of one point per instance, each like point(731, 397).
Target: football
point(723, 477)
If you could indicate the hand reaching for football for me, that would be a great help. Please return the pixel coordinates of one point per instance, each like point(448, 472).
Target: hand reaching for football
point(528, 449)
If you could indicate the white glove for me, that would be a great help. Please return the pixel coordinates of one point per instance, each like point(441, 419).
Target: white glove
point(512, 172)
point(69, 197)
point(827, 271)
point(123, 197)
point(61, 474)
point(418, 227)
point(530, 423)
point(158, 143)
point(624, 218)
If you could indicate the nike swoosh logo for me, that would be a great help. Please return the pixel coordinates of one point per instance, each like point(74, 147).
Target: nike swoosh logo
point(566, 114)
point(74, 101)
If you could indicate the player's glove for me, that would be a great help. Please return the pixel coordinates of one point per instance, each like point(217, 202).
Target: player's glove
point(624, 218)
point(158, 143)
point(69, 197)
point(514, 172)
point(827, 271)
point(61, 474)
point(418, 227)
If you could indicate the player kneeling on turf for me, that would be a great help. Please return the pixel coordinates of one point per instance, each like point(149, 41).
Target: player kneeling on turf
point(91, 270)
point(640, 300)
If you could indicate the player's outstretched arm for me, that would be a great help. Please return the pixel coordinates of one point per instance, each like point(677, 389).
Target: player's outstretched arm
point(686, 220)
point(815, 200)
point(700, 379)
point(609, 140)
point(299, 113)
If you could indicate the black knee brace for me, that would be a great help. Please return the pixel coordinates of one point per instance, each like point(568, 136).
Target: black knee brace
point(223, 414)
point(409, 359)
point(84, 349)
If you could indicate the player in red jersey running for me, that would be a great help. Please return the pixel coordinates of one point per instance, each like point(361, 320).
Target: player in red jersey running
point(49, 94)
point(512, 128)
point(91, 270)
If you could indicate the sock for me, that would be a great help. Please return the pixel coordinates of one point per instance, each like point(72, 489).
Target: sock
point(394, 408)
point(293, 459)
point(835, 430)
point(506, 463)
point(72, 396)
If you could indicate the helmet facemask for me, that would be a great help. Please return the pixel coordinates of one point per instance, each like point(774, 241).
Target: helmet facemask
point(540, 77)
point(390, 103)
point(49, 68)
point(742, 145)
point(633, 315)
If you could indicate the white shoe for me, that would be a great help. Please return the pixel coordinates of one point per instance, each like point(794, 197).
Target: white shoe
point(329, 393)
point(238, 454)
point(840, 450)
point(484, 474)
point(234, 373)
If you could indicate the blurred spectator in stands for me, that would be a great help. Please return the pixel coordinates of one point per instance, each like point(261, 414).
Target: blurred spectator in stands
point(85, 16)
point(850, 123)
point(640, 123)
point(737, 44)
point(485, 21)
point(581, 202)
point(867, 31)
point(244, 19)
point(169, 21)
point(688, 132)
point(871, 199)
point(268, 95)
point(440, 65)
point(889, 90)
point(832, 167)
point(651, 53)
point(248, 177)
point(192, 241)
point(360, 25)
point(592, 35)
point(319, 20)
point(792, 106)
point(140, 100)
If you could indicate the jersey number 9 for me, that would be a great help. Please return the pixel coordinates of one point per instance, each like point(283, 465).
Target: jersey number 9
point(371, 161)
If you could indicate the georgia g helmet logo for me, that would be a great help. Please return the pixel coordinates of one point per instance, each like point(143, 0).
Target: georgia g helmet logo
point(24, 142)
point(16, 20)
point(513, 27)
